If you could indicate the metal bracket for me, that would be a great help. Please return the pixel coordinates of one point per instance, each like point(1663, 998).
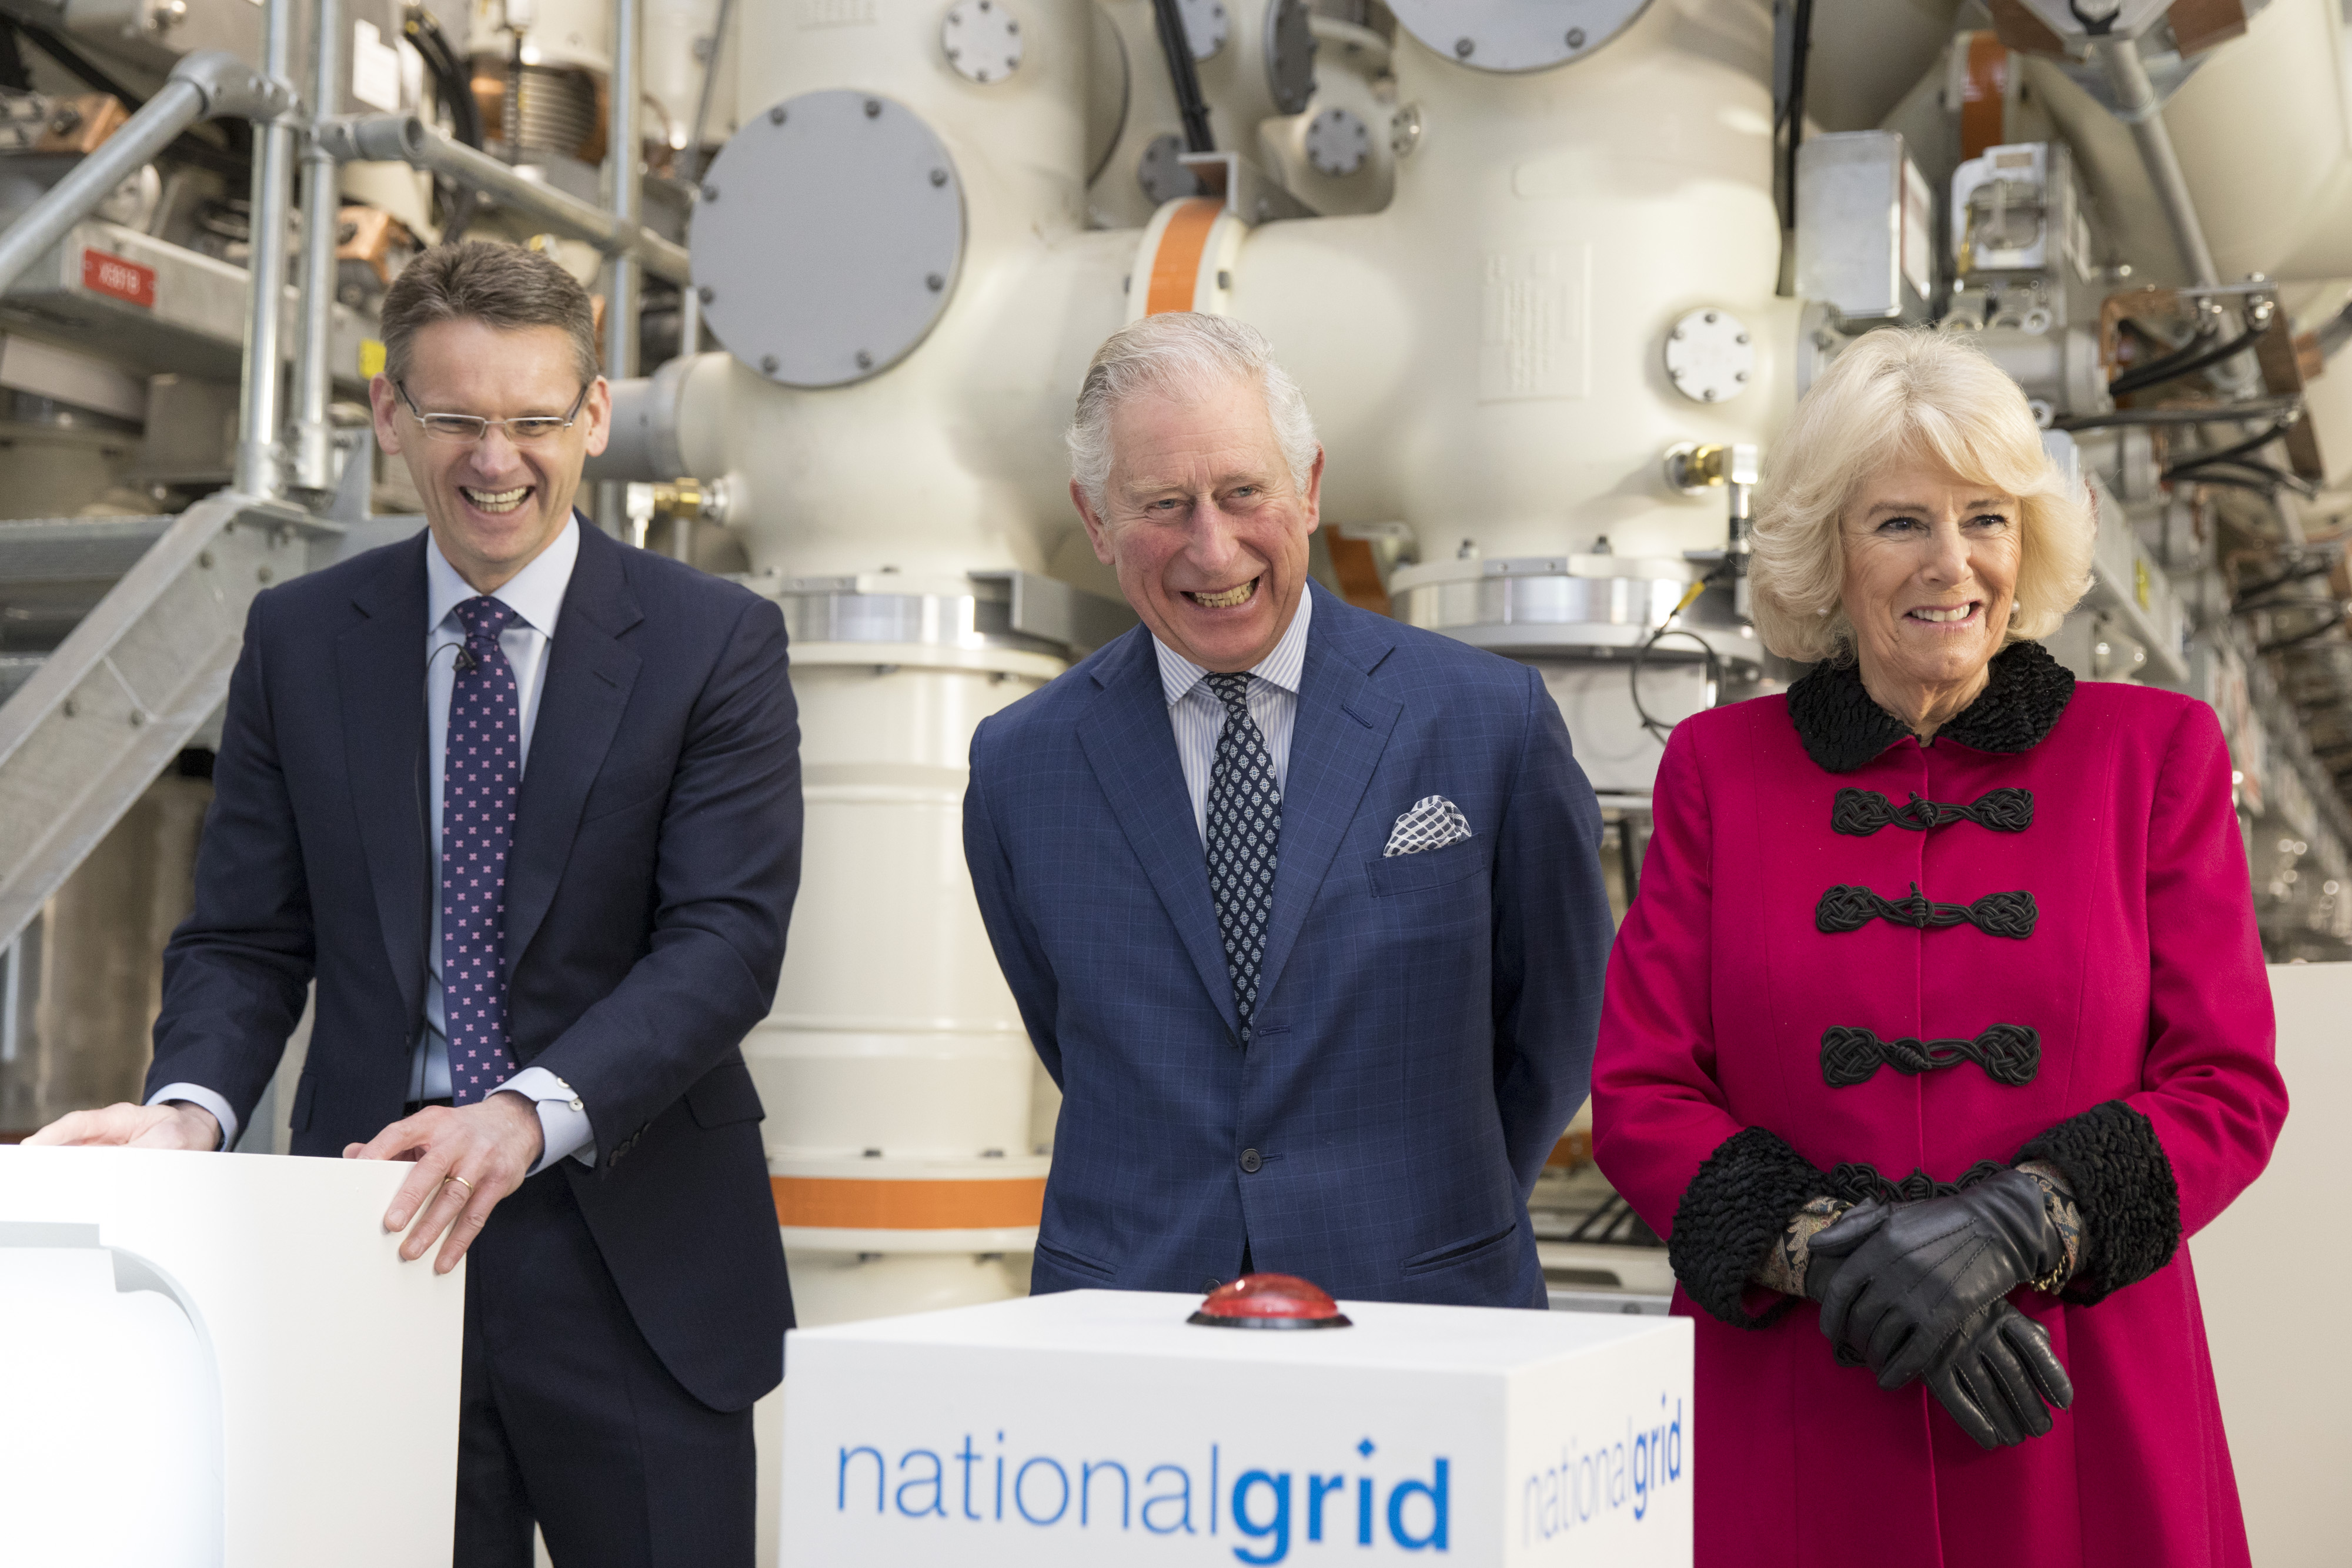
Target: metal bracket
point(1048, 607)
point(1250, 193)
point(235, 90)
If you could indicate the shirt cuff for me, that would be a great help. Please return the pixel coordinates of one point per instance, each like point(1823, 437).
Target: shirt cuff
point(562, 1120)
point(203, 1099)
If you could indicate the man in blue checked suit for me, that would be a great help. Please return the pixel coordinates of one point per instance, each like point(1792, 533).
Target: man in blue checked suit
point(1302, 907)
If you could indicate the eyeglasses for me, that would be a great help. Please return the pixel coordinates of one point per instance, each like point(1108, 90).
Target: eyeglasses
point(469, 428)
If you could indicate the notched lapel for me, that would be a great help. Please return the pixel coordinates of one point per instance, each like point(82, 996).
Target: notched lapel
point(589, 675)
point(1344, 724)
point(1131, 746)
point(380, 678)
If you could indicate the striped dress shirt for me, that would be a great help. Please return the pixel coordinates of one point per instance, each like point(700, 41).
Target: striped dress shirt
point(1200, 718)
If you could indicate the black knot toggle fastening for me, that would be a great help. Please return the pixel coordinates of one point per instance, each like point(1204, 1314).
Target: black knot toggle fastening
point(1843, 908)
point(1861, 813)
point(2009, 1054)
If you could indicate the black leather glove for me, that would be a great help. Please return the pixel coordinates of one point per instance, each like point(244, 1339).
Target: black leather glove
point(1998, 1376)
point(1911, 1276)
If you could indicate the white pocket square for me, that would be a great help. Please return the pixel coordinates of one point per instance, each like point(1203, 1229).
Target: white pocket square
point(1432, 824)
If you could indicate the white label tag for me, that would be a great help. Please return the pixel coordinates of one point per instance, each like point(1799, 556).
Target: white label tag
point(376, 68)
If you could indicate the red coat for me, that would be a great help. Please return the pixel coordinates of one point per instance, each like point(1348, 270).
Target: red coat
point(2142, 979)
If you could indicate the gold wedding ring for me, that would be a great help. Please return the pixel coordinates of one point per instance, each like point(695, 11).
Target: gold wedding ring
point(461, 1181)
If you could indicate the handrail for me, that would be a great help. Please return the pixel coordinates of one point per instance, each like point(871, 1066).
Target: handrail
point(211, 85)
point(312, 438)
point(406, 139)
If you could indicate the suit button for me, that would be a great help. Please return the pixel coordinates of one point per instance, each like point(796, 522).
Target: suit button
point(1251, 1161)
point(1209, 1286)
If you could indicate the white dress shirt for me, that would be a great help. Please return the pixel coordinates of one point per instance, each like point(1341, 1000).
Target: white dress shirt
point(535, 594)
point(1198, 717)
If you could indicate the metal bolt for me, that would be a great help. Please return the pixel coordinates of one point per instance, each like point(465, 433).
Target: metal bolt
point(1576, 37)
point(1710, 318)
point(706, 294)
point(1462, 47)
point(939, 176)
point(204, 559)
point(934, 282)
point(1710, 394)
point(873, 108)
point(776, 115)
point(710, 192)
point(864, 360)
point(768, 363)
point(73, 706)
point(1743, 338)
point(1740, 375)
point(264, 574)
point(1011, 26)
point(1225, 278)
point(137, 718)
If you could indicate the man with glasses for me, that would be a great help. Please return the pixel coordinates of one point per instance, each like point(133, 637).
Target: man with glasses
point(525, 802)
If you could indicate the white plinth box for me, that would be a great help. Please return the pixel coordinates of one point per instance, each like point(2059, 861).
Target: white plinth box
point(1099, 1428)
point(219, 1360)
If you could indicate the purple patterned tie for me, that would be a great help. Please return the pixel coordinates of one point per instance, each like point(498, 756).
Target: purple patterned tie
point(480, 776)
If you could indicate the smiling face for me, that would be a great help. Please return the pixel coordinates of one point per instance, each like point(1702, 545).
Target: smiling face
point(1204, 524)
point(1931, 564)
point(493, 504)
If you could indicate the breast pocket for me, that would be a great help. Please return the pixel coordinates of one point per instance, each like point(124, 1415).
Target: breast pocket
point(1395, 877)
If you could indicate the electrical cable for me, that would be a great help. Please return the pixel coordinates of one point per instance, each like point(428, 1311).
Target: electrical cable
point(1789, 130)
point(2334, 619)
point(2173, 367)
point(228, 163)
point(1177, 46)
point(451, 77)
point(1659, 730)
point(2253, 408)
point(2242, 468)
point(2251, 444)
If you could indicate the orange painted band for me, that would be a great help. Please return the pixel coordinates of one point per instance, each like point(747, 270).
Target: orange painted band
point(1984, 95)
point(1176, 264)
point(837, 1203)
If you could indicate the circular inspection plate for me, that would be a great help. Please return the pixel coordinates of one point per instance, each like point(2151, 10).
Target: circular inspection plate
point(982, 40)
point(1710, 355)
point(1515, 35)
point(827, 238)
point(1290, 54)
point(1338, 141)
point(1206, 25)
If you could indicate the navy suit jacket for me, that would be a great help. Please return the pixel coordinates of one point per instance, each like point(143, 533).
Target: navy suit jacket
point(655, 857)
point(1425, 1023)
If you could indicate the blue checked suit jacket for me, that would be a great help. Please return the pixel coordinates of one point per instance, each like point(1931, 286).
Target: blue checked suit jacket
point(1425, 1022)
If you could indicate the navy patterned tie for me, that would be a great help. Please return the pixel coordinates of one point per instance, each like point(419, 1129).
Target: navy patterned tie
point(1244, 826)
point(480, 779)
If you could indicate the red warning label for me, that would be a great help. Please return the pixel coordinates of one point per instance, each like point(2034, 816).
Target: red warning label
point(112, 275)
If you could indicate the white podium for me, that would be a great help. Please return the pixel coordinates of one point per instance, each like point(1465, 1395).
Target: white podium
point(220, 1358)
point(1099, 1428)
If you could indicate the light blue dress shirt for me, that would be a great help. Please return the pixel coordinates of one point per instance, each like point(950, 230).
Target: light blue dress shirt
point(1199, 719)
point(536, 596)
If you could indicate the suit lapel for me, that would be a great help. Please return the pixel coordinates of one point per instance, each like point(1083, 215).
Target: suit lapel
point(380, 677)
point(1343, 726)
point(1129, 742)
point(584, 692)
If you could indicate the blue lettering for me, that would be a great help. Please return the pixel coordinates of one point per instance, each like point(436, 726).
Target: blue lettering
point(936, 1480)
point(1022, 1475)
point(1673, 1441)
point(1641, 1476)
point(999, 1480)
point(1403, 1493)
point(1315, 1486)
point(1181, 1499)
point(841, 1487)
point(967, 1459)
point(1364, 1511)
point(1087, 1489)
point(1278, 1526)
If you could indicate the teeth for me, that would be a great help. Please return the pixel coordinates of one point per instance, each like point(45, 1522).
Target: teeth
point(1959, 613)
point(497, 500)
point(1228, 599)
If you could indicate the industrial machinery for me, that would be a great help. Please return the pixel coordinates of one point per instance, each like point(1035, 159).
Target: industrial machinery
point(1552, 273)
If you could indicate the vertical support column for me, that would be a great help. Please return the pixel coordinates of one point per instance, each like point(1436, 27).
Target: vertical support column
point(621, 272)
point(273, 165)
point(313, 439)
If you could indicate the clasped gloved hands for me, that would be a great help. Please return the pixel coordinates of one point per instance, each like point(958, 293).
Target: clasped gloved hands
point(1916, 1290)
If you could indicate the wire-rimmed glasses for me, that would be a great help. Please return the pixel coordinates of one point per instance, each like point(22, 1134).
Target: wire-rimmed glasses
point(470, 428)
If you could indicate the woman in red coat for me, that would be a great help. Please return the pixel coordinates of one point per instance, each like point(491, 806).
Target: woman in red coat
point(1938, 1023)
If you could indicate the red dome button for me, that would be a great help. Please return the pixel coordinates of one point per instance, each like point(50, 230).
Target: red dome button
point(1270, 1301)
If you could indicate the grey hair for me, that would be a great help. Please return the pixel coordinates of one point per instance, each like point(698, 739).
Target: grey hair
point(1177, 352)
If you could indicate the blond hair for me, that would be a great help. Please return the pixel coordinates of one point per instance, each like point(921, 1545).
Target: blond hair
point(1900, 394)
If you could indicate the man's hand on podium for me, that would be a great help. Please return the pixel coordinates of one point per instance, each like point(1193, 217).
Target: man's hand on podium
point(173, 1125)
point(468, 1159)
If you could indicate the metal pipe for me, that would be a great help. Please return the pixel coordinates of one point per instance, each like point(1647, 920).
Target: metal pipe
point(259, 413)
point(177, 106)
point(620, 289)
point(313, 437)
point(404, 139)
point(2138, 107)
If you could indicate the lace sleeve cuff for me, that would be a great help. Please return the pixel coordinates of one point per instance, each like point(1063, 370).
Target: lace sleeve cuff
point(1738, 1206)
point(2123, 1188)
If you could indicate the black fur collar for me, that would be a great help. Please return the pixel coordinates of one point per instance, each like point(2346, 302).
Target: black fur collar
point(1843, 728)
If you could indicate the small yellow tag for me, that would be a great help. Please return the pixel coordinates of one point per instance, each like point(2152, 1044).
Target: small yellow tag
point(370, 357)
